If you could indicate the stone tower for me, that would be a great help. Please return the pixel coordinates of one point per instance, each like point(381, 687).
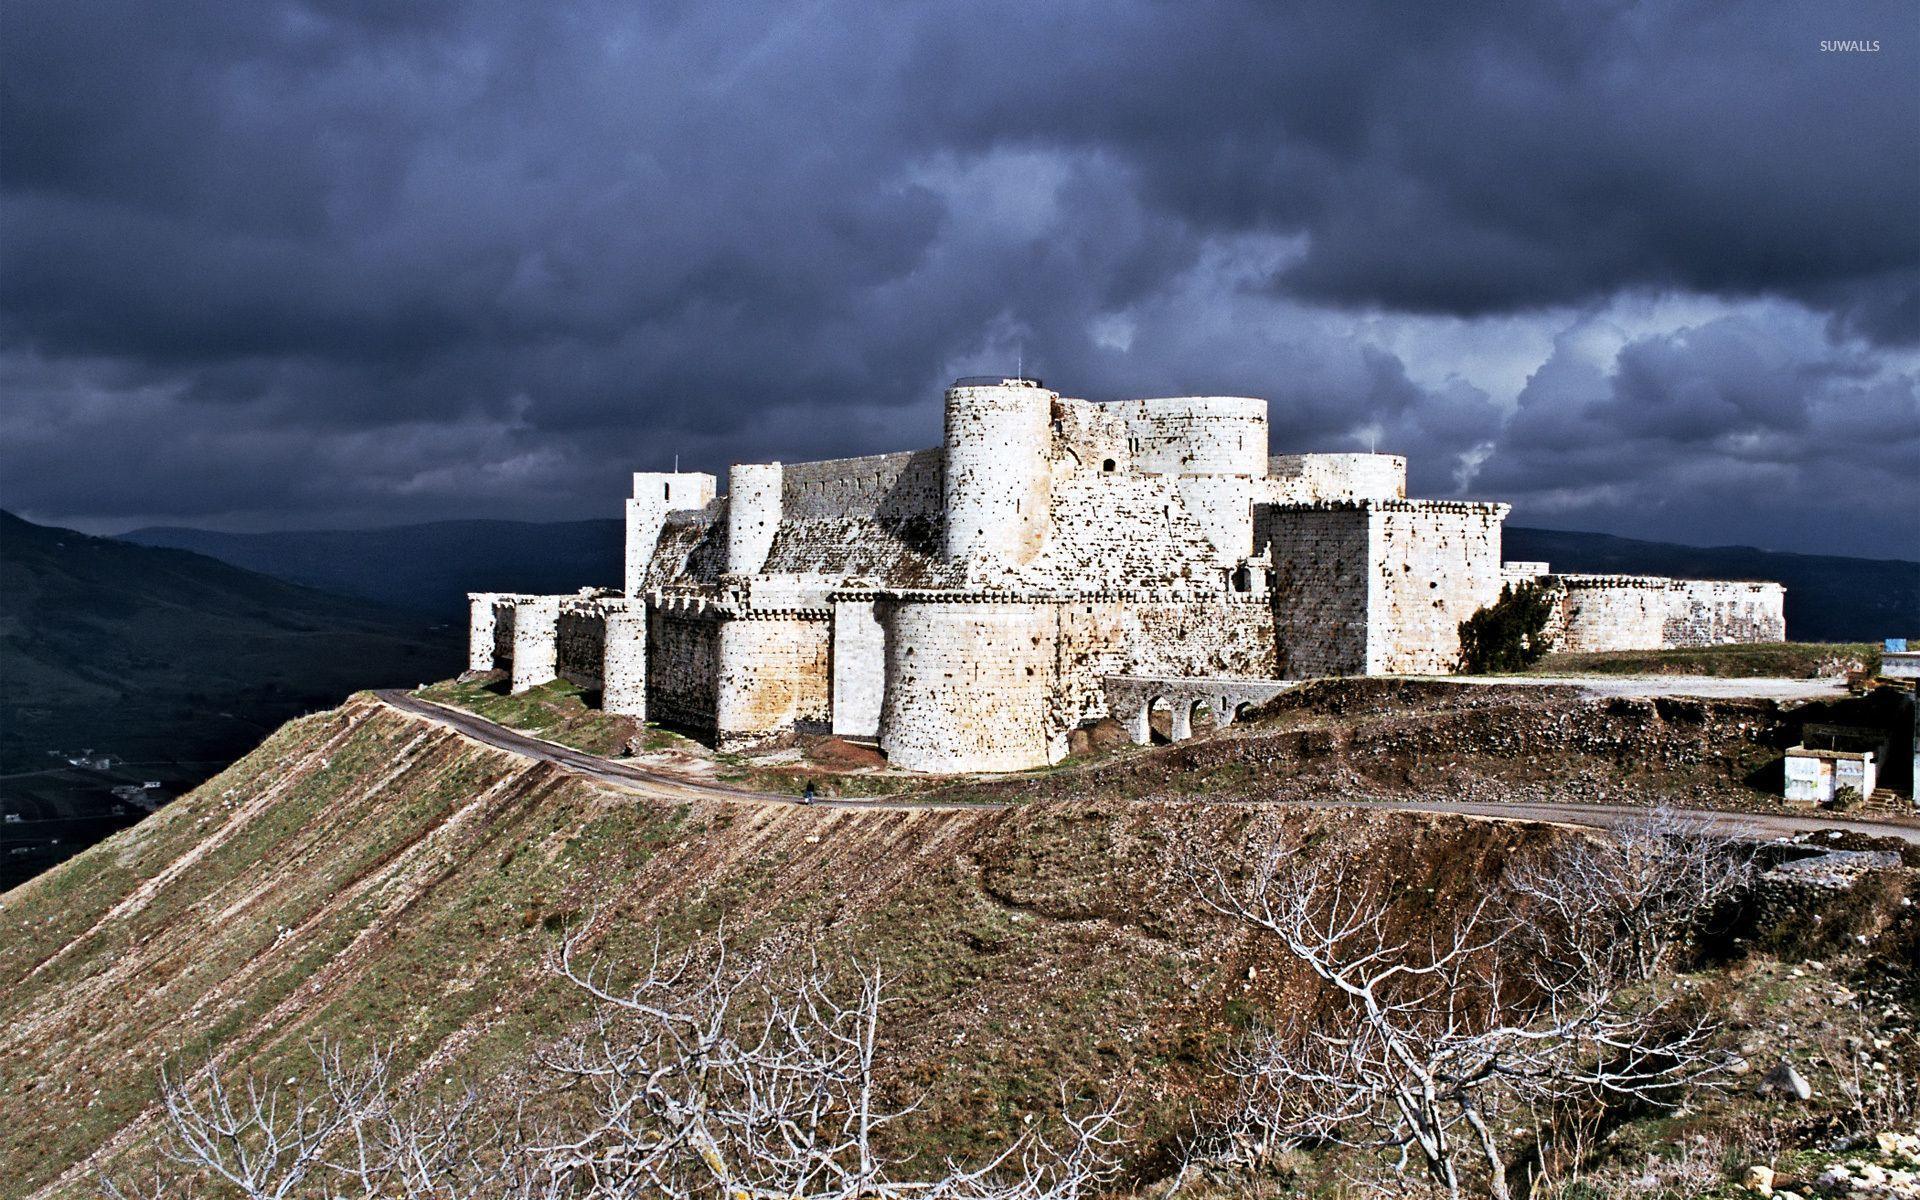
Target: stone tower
point(998, 475)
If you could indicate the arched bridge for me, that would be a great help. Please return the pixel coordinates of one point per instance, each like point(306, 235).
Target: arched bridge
point(1206, 701)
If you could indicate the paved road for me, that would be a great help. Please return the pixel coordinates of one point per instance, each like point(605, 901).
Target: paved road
point(667, 784)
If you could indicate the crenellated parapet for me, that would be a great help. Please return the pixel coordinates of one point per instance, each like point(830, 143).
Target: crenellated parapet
point(961, 605)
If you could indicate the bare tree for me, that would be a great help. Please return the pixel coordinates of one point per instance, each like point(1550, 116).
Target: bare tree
point(1626, 902)
point(696, 1081)
point(1439, 1051)
point(705, 1085)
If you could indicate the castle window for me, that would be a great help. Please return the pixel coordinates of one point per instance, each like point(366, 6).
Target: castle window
point(1108, 466)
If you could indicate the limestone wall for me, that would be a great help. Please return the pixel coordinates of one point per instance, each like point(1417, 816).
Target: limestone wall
point(968, 685)
point(503, 610)
point(655, 494)
point(1435, 563)
point(535, 649)
point(1306, 478)
point(1197, 435)
point(623, 674)
point(1211, 636)
point(885, 487)
point(773, 674)
point(858, 665)
point(1611, 612)
point(483, 650)
point(683, 668)
point(1711, 612)
point(753, 515)
point(998, 473)
point(580, 643)
point(1089, 437)
point(1322, 574)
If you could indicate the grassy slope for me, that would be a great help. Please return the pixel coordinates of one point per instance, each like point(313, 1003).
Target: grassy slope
point(423, 880)
point(368, 876)
point(1774, 660)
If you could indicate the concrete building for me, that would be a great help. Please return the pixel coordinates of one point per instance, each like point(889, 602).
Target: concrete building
point(963, 605)
point(1904, 665)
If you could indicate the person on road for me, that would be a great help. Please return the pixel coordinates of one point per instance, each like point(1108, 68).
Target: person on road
point(806, 797)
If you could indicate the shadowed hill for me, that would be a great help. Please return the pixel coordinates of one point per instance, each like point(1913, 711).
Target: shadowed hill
point(171, 661)
point(429, 568)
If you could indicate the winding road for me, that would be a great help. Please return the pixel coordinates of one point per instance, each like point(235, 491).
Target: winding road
point(669, 785)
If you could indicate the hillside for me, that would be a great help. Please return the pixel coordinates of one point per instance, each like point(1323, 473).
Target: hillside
point(1829, 598)
point(428, 568)
point(371, 877)
point(171, 663)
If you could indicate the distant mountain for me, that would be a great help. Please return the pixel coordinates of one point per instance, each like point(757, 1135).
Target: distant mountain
point(161, 665)
point(429, 568)
point(1829, 598)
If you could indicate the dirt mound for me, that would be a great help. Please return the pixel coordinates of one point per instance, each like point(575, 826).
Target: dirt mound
point(838, 754)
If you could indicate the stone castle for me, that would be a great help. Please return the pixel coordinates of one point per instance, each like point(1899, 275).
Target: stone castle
point(1054, 562)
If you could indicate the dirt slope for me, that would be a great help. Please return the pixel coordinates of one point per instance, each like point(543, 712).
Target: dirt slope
point(365, 875)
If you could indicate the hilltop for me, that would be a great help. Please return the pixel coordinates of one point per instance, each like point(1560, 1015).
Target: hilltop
point(369, 876)
point(167, 660)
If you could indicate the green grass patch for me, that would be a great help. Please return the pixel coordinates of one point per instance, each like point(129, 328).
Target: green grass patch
point(1789, 660)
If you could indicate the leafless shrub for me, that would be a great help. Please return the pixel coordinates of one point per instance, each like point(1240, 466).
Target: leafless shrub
point(1447, 1053)
point(693, 1083)
point(1625, 903)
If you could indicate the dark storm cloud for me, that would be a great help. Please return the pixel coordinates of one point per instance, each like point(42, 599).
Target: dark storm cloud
point(294, 263)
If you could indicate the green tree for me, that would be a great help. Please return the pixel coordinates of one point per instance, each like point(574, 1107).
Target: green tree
point(1509, 634)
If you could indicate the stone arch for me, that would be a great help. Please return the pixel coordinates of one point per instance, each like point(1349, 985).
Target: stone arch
point(1158, 733)
point(1108, 466)
point(1200, 714)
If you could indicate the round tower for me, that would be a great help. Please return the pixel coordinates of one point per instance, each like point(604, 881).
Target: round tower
point(753, 514)
point(998, 483)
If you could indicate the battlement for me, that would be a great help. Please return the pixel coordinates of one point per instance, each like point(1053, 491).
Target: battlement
point(971, 605)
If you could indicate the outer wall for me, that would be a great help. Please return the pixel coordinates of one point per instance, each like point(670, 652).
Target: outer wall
point(773, 675)
point(968, 686)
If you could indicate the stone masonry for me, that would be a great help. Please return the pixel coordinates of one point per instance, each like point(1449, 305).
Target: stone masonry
point(967, 607)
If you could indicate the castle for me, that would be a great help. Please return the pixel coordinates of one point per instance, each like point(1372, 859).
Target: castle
point(971, 605)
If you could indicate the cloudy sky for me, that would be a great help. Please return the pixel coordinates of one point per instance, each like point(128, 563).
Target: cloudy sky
point(1642, 268)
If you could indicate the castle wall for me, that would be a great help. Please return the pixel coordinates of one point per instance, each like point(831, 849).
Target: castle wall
point(482, 646)
point(1209, 636)
point(998, 472)
point(753, 515)
point(968, 685)
point(1610, 612)
point(580, 643)
point(773, 674)
point(503, 615)
point(859, 667)
point(1197, 435)
point(1712, 612)
point(655, 494)
point(885, 487)
point(1322, 577)
point(535, 650)
point(1435, 563)
point(623, 673)
point(683, 668)
point(1309, 478)
point(1089, 437)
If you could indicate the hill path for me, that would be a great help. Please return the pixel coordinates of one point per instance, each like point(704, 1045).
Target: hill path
point(668, 785)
